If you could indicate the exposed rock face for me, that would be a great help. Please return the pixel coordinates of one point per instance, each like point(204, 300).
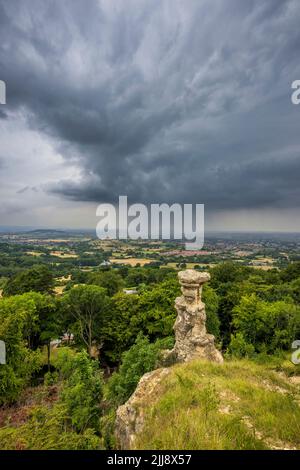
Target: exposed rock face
point(192, 339)
point(130, 416)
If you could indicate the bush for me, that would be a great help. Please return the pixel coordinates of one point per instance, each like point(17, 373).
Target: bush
point(82, 389)
point(18, 319)
point(239, 347)
point(51, 378)
point(138, 360)
point(46, 430)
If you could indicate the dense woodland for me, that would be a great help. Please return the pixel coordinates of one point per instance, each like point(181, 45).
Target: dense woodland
point(111, 338)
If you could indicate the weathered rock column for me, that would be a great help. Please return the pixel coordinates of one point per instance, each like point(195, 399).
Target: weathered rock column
point(192, 339)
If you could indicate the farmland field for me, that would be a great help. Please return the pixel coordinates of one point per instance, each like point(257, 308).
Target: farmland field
point(132, 261)
point(62, 254)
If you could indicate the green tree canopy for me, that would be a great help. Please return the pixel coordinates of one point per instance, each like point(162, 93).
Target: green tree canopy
point(38, 279)
point(268, 326)
point(88, 305)
point(18, 321)
point(110, 280)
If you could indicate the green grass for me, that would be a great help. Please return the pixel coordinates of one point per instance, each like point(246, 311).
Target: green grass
point(45, 429)
point(238, 405)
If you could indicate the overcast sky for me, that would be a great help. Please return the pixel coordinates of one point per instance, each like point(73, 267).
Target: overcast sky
point(183, 101)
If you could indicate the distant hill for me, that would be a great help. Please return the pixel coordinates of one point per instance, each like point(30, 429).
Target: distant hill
point(46, 232)
point(42, 231)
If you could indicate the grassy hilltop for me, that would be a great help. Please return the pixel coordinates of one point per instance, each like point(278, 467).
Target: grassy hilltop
point(238, 405)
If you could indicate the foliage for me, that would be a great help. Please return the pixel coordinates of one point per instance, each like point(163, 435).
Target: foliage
point(156, 309)
point(151, 312)
point(18, 320)
point(121, 326)
point(82, 389)
point(139, 359)
point(87, 305)
point(110, 280)
point(38, 279)
point(51, 378)
point(291, 272)
point(211, 300)
point(48, 319)
point(226, 279)
point(46, 430)
point(253, 313)
point(268, 326)
point(228, 272)
point(239, 347)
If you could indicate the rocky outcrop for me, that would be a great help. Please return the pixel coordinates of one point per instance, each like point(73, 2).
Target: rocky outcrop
point(130, 416)
point(192, 339)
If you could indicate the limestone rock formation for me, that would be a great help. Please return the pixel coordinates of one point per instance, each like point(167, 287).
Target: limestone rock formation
point(130, 416)
point(192, 339)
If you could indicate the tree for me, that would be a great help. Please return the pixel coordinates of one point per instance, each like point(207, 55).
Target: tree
point(268, 326)
point(210, 298)
point(88, 305)
point(38, 279)
point(228, 272)
point(46, 323)
point(121, 326)
point(72, 421)
point(150, 312)
point(18, 320)
point(110, 280)
point(291, 272)
point(229, 296)
point(228, 280)
point(137, 276)
point(49, 321)
point(157, 311)
point(295, 290)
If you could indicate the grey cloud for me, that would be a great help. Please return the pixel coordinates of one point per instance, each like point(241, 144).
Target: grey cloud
point(25, 189)
point(161, 100)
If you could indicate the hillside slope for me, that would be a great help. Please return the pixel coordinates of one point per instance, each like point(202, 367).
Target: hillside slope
point(201, 405)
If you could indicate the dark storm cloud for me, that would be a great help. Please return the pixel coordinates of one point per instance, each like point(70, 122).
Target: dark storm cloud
point(161, 100)
point(25, 189)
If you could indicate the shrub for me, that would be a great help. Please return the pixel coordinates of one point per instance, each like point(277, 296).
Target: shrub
point(46, 430)
point(239, 347)
point(138, 360)
point(82, 389)
point(18, 320)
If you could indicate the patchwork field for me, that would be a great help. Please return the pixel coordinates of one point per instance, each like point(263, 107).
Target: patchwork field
point(188, 265)
point(33, 253)
point(132, 261)
point(63, 254)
